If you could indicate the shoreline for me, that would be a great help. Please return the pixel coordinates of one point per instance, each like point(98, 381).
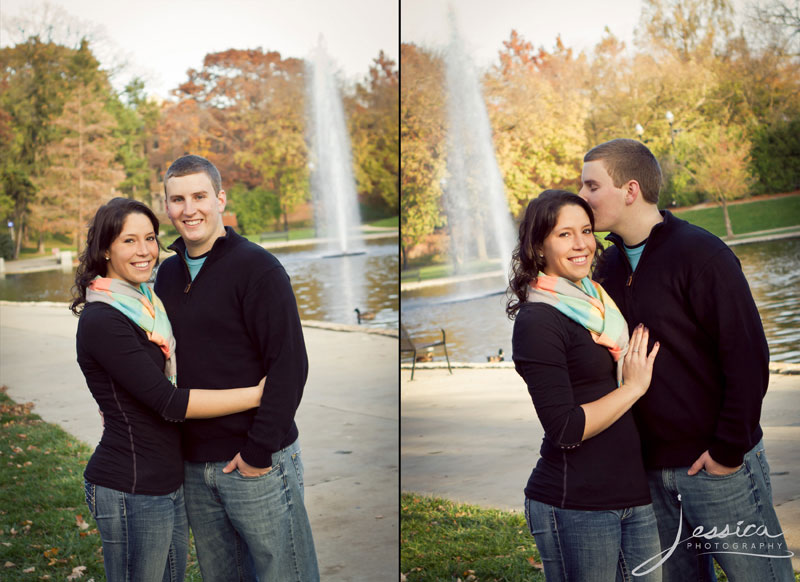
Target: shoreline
point(312, 323)
point(775, 367)
point(746, 238)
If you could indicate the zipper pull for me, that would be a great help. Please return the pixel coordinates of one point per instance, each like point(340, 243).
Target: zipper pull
point(187, 287)
point(628, 284)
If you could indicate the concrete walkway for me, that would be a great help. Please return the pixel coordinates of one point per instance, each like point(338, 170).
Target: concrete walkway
point(348, 423)
point(473, 437)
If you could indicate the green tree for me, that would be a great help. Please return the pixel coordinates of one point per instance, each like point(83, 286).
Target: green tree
point(136, 118)
point(35, 77)
point(776, 157)
point(256, 209)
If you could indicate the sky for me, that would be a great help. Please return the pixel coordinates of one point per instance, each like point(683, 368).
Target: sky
point(160, 40)
point(484, 25)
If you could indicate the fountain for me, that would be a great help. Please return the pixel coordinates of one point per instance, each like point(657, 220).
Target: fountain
point(336, 212)
point(477, 211)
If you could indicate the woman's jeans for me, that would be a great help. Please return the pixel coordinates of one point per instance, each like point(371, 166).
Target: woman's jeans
point(145, 537)
point(729, 518)
point(251, 528)
point(595, 546)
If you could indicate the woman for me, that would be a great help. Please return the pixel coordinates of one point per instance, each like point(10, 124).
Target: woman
point(134, 479)
point(587, 500)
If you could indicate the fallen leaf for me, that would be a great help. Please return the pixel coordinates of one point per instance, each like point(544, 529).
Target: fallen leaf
point(29, 570)
point(535, 564)
point(9, 564)
point(80, 522)
point(77, 572)
point(50, 552)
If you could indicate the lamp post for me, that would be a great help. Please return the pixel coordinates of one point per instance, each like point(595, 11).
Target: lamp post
point(639, 130)
point(670, 119)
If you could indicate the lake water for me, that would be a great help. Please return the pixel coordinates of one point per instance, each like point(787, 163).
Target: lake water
point(473, 315)
point(327, 289)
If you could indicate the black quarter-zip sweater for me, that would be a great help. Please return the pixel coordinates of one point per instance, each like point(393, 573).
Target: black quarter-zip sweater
point(712, 368)
point(235, 323)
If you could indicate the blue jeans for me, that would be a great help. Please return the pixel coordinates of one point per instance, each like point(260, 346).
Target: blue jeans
point(695, 511)
point(251, 528)
point(145, 537)
point(594, 546)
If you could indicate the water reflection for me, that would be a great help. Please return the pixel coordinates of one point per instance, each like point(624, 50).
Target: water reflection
point(326, 289)
point(476, 325)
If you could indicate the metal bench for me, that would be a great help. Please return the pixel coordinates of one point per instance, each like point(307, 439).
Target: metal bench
point(407, 345)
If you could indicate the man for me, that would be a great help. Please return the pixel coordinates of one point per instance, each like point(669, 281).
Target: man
point(235, 320)
point(699, 422)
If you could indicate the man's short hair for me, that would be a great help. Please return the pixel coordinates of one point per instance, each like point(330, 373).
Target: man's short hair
point(191, 164)
point(628, 159)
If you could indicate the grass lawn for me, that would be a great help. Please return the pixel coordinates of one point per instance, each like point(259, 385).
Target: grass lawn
point(441, 540)
point(747, 217)
point(444, 541)
point(393, 221)
point(46, 531)
point(426, 272)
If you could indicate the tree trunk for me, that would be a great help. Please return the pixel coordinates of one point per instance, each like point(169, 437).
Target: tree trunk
point(728, 227)
point(19, 222)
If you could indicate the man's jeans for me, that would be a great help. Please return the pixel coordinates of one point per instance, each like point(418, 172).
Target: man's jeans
point(729, 518)
point(594, 546)
point(248, 528)
point(145, 537)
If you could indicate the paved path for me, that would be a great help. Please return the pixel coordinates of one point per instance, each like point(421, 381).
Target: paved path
point(473, 437)
point(348, 423)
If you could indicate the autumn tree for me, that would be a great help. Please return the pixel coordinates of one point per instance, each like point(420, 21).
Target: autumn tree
point(244, 111)
point(374, 136)
point(422, 138)
point(689, 29)
point(538, 117)
point(82, 172)
point(722, 170)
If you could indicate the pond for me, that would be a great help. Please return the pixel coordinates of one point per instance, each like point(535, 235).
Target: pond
point(473, 315)
point(327, 289)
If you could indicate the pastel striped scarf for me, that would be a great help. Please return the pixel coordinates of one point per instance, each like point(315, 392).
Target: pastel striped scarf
point(587, 303)
point(143, 307)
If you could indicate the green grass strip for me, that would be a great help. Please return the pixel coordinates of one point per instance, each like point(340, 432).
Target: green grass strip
point(46, 529)
point(445, 541)
point(747, 217)
point(442, 540)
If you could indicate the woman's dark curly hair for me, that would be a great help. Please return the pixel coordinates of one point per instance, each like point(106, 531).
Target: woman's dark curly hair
point(104, 228)
point(539, 221)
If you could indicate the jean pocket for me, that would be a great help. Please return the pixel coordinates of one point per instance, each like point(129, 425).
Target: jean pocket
point(736, 473)
point(89, 490)
point(273, 471)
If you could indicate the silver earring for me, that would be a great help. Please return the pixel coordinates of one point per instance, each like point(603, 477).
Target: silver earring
point(108, 258)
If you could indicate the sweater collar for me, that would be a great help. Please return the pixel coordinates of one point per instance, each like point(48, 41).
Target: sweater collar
point(661, 229)
point(220, 246)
